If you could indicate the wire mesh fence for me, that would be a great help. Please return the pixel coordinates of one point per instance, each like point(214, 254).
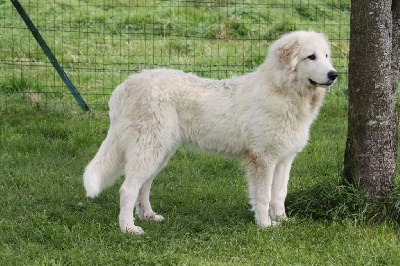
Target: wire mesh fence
point(100, 42)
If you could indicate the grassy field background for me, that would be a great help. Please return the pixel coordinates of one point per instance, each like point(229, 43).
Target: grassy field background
point(45, 142)
point(99, 43)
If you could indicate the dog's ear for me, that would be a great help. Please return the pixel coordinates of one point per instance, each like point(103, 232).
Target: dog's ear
point(288, 54)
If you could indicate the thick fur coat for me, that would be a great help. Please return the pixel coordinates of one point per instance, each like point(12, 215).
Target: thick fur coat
point(262, 117)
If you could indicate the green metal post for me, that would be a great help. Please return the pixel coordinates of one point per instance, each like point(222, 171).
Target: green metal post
point(50, 55)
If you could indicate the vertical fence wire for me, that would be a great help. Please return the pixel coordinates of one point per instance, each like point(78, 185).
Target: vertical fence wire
point(99, 43)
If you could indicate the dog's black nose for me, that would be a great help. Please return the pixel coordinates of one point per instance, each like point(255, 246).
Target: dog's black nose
point(332, 75)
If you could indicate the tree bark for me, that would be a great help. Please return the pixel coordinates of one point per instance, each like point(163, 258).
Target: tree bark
point(371, 149)
point(395, 44)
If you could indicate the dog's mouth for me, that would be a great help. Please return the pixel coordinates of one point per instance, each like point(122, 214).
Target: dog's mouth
point(312, 82)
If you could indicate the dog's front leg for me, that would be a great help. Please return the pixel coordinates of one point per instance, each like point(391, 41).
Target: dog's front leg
point(260, 173)
point(279, 190)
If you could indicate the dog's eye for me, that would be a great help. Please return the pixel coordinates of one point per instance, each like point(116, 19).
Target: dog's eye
point(312, 57)
point(326, 55)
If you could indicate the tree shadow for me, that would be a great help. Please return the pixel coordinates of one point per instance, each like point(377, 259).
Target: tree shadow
point(337, 200)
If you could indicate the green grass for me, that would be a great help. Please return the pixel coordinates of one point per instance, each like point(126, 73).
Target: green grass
point(46, 141)
point(47, 220)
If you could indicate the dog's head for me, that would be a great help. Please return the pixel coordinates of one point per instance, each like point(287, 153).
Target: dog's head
point(308, 55)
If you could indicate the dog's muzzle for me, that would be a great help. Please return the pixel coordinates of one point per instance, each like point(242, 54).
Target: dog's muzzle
point(332, 75)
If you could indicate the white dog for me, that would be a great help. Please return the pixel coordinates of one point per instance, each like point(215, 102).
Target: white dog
point(262, 117)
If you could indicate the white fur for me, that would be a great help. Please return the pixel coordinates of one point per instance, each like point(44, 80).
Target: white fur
point(262, 117)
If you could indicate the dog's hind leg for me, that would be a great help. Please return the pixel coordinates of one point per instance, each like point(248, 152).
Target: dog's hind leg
point(144, 159)
point(140, 171)
point(128, 194)
point(143, 206)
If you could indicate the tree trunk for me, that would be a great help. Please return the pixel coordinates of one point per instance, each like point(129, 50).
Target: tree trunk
point(395, 44)
point(371, 150)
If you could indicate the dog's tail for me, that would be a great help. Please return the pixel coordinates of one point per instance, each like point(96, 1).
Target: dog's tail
point(105, 168)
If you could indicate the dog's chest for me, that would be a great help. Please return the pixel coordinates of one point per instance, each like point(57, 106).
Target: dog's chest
point(285, 128)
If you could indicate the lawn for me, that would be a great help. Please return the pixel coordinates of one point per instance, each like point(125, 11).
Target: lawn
point(47, 220)
point(45, 143)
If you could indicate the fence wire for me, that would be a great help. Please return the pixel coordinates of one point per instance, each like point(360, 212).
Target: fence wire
point(99, 43)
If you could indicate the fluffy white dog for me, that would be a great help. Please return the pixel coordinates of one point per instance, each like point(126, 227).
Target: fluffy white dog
point(262, 117)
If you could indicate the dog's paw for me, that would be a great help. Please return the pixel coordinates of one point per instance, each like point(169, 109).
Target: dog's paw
point(279, 218)
point(151, 216)
point(275, 223)
point(135, 230)
point(157, 218)
point(130, 227)
point(264, 224)
point(277, 215)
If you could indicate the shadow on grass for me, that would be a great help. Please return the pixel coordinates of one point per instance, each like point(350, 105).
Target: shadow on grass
point(336, 200)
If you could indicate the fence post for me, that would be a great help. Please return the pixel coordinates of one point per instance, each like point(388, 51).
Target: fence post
point(50, 55)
